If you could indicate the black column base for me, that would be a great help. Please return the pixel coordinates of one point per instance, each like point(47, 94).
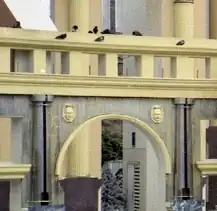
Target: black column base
point(185, 193)
point(44, 198)
point(81, 193)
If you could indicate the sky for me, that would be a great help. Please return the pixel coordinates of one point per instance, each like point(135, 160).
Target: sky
point(46, 4)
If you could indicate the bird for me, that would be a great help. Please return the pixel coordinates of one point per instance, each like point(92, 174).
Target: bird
point(61, 37)
point(90, 32)
point(99, 39)
point(181, 42)
point(136, 33)
point(74, 28)
point(95, 30)
point(17, 25)
point(106, 31)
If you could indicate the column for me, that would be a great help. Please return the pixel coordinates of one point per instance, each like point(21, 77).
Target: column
point(184, 18)
point(85, 14)
point(59, 14)
point(201, 31)
point(95, 20)
point(183, 147)
point(79, 14)
point(184, 28)
point(167, 31)
point(212, 19)
point(40, 142)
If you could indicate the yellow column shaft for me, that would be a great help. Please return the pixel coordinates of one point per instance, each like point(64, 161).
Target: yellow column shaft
point(79, 14)
point(184, 28)
point(84, 156)
point(184, 19)
point(212, 19)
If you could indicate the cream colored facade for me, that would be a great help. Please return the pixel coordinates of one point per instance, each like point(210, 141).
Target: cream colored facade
point(75, 147)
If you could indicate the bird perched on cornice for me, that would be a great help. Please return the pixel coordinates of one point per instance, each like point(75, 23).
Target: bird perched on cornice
point(74, 28)
point(99, 39)
point(181, 42)
point(61, 37)
point(90, 32)
point(95, 30)
point(136, 33)
point(106, 31)
point(17, 25)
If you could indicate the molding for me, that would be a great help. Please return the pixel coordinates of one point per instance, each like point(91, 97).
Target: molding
point(28, 84)
point(184, 1)
point(156, 139)
point(159, 46)
point(10, 171)
point(207, 167)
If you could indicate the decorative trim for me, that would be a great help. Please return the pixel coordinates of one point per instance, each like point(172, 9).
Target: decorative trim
point(28, 84)
point(207, 167)
point(184, 1)
point(13, 171)
point(158, 142)
point(159, 46)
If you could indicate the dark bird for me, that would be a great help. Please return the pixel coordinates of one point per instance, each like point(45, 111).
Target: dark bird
point(99, 39)
point(136, 33)
point(90, 32)
point(74, 28)
point(181, 42)
point(106, 31)
point(95, 30)
point(61, 37)
point(17, 25)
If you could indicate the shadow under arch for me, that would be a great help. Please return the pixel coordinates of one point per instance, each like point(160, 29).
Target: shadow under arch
point(144, 126)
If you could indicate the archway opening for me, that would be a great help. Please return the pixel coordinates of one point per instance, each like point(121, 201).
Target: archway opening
point(139, 154)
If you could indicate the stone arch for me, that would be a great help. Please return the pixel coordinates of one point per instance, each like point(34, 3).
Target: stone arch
point(144, 126)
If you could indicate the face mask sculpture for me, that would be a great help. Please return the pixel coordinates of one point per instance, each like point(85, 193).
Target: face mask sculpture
point(68, 113)
point(157, 114)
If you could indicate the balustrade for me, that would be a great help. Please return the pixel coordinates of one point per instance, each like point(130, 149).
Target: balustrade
point(32, 52)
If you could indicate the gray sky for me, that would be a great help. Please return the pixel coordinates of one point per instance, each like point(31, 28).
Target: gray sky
point(46, 3)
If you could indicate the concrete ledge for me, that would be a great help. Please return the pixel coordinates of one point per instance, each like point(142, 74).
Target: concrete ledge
point(207, 167)
point(28, 84)
point(10, 171)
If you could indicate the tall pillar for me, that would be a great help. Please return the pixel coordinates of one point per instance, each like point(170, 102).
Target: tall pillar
point(40, 162)
point(212, 19)
point(201, 31)
point(84, 167)
point(184, 18)
point(167, 31)
point(183, 28)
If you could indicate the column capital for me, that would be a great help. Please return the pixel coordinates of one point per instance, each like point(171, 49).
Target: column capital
point(184, 1)
point(42, 98)
point(182, 101)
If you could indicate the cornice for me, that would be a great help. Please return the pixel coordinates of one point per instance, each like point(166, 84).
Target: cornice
point(28, 84)
point(13, 171)
point(207, 167)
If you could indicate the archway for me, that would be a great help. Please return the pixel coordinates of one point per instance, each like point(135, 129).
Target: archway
point(158, 142)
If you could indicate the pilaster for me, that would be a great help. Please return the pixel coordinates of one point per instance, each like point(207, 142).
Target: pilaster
point(183, 147)
point(41, 162)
